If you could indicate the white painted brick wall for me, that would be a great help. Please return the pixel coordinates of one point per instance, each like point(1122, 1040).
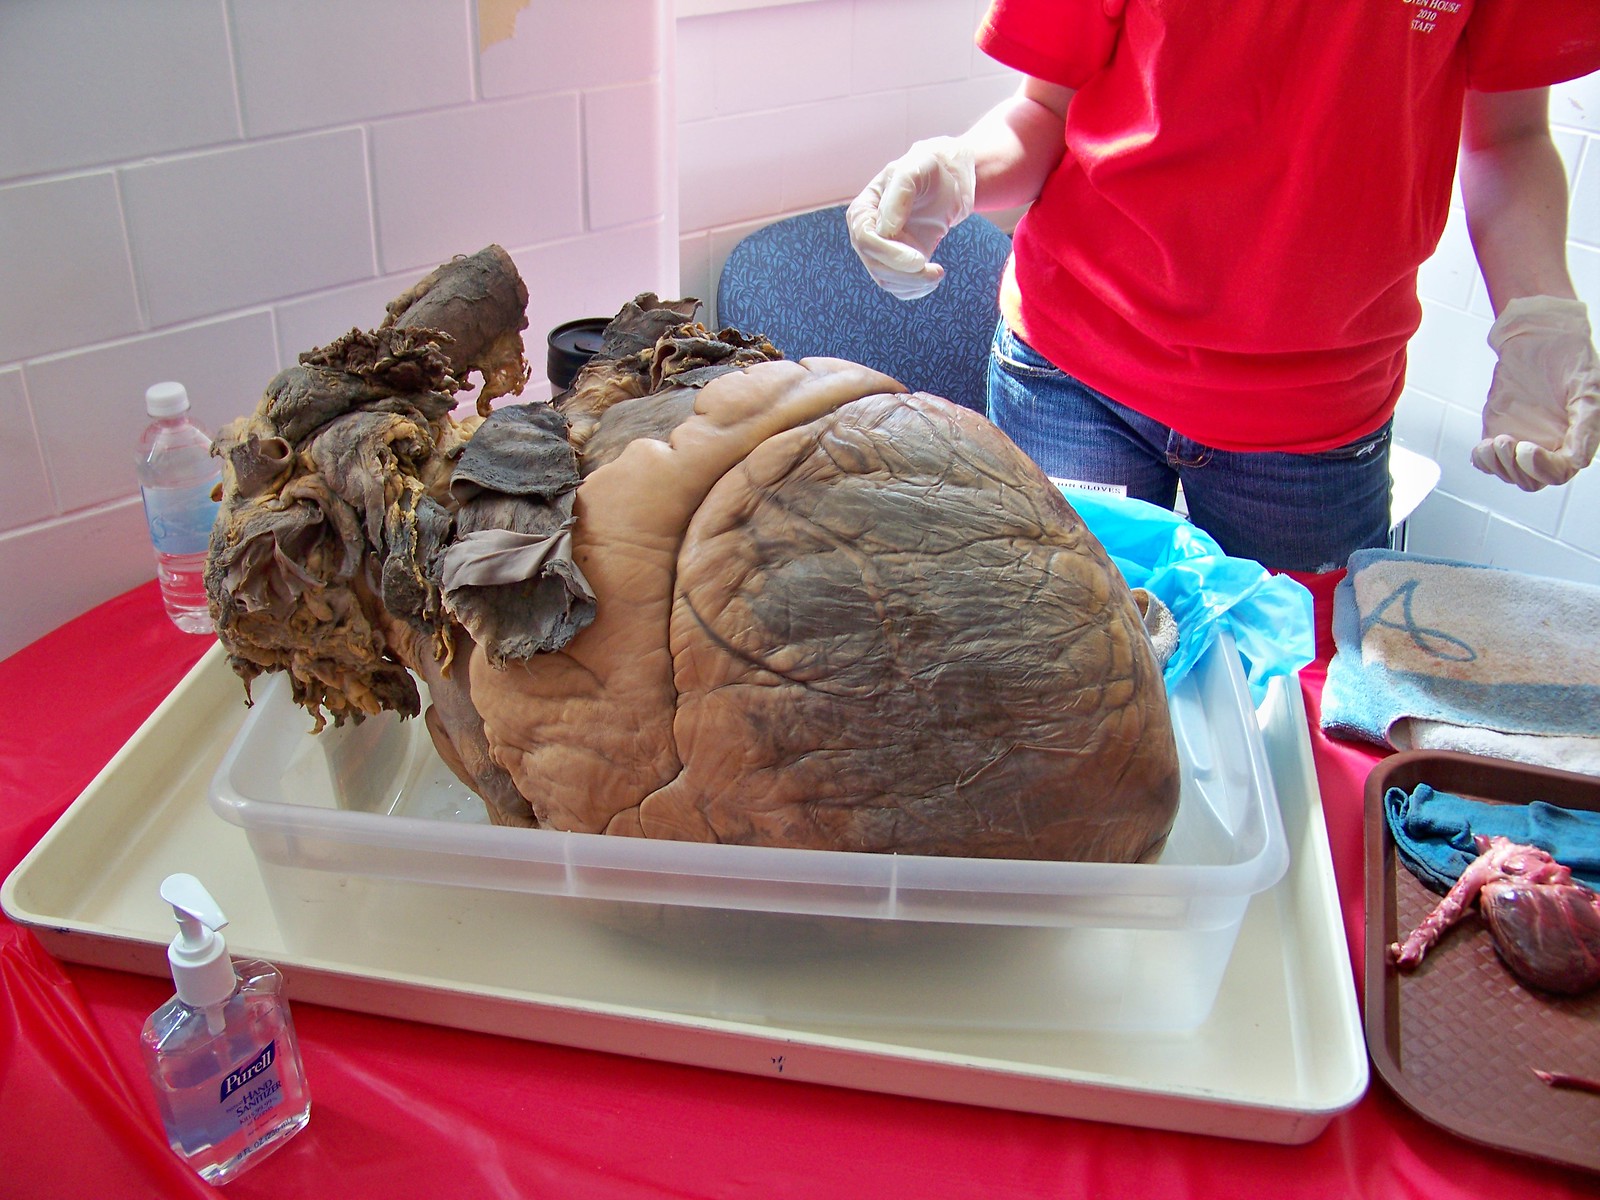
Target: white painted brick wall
point(763, 135)
point(761, 139)
point(202, 189)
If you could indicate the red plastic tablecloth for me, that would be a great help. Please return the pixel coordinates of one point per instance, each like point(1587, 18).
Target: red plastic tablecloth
point(403, 1109)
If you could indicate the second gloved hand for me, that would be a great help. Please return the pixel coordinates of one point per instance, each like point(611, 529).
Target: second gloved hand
point(1541, 424)
point(902, 215)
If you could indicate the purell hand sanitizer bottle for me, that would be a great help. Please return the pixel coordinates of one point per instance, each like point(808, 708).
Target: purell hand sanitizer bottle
point(222, 1053)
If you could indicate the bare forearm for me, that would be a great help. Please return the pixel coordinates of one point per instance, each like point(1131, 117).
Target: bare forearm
point(1515, 192)
point(1017, 144)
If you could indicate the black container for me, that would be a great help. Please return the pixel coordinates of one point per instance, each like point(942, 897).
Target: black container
point(570, 346)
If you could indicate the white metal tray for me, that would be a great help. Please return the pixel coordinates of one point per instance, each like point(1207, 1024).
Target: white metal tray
point(1280, 1055)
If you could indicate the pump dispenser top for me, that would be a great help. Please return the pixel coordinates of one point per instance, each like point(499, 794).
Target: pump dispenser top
point(198, 956)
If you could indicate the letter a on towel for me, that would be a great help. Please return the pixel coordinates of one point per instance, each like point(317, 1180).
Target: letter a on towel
point(1441, 655)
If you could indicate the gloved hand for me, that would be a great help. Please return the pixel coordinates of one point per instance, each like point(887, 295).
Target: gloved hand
point(1541, 424)
point(903, 214)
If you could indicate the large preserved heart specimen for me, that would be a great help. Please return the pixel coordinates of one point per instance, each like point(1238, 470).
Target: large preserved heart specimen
point(704, 594)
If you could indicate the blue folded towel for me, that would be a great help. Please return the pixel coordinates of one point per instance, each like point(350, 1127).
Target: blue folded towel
point(1440, 655)
point(1433, 833)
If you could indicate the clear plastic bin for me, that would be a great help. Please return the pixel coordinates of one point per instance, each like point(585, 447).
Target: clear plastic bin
point(365, 824)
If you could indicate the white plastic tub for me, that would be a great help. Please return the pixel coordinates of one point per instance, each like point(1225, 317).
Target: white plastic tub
point(339, 820)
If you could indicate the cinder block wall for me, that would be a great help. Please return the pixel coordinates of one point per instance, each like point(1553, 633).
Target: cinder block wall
point(202, 189)
point(762, 135)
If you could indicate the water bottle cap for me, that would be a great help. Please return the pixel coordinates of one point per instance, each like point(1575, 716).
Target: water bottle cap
point(166, 399)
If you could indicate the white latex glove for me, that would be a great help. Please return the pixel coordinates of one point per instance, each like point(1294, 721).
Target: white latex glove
point(1541, 424)
point(903, 214)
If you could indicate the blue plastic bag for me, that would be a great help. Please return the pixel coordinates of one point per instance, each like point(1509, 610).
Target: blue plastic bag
point(1181, 565)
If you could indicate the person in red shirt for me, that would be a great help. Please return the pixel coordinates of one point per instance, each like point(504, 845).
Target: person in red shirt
point(1215, 279)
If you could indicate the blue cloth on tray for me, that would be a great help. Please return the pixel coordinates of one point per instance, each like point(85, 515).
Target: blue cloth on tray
point(1433, 833)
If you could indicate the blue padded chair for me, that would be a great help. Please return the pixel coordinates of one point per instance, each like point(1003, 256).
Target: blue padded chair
point(799, 283)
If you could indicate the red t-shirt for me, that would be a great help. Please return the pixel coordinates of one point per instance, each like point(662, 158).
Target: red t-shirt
point(1231, 242)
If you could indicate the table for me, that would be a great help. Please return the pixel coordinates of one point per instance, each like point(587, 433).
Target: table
point(405, 1109)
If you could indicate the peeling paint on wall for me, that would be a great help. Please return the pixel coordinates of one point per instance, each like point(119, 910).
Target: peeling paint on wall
point(497, 21)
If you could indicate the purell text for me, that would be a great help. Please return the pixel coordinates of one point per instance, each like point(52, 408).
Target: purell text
point(237, 1079)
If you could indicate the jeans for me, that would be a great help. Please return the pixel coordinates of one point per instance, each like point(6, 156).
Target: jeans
point(1289, 512)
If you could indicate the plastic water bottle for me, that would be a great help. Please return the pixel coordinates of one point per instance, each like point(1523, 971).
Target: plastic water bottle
point(176, 476)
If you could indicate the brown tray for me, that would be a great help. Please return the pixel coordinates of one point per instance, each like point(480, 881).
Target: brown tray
point(1459, 1037)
